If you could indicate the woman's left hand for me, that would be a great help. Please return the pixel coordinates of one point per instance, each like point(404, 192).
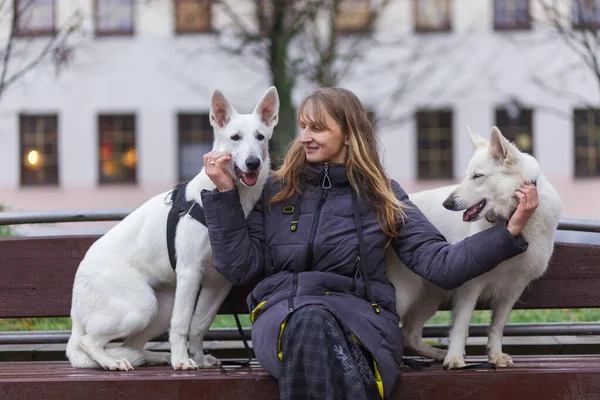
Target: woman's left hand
point(528, 202)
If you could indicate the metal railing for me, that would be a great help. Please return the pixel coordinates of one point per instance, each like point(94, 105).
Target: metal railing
point(429, 331)
point(98, 215)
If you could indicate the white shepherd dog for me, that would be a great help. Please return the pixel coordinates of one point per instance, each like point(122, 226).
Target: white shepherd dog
point(495, 172)
point(125, 286)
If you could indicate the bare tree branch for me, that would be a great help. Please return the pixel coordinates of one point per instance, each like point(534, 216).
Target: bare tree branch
point(580, 32)
point(55, 46)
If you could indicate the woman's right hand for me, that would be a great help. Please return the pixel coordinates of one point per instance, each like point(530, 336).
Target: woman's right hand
point(213, 163)
point(528, 202)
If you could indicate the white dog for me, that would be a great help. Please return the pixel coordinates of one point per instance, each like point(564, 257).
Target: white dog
point(125, 286)
point(495, 172)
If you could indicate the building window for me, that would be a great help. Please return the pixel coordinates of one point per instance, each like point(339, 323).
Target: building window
point(114, 17)
point(353, 16)
point(587, 142)
point(192, 16)
point(35, 17)
point(432, 15)
point(586, 14)
point(195, 140)
point(39, 149)
point(434, 144)
point(517, 127)
point(117, 151)
point(511, 14)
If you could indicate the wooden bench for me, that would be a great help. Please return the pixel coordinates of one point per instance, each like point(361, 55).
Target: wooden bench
point(36, 276)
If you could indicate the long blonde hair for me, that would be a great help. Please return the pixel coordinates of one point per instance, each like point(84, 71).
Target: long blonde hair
point(363, 166)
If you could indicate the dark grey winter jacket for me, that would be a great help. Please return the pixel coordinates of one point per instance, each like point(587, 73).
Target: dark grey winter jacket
point(316, 262)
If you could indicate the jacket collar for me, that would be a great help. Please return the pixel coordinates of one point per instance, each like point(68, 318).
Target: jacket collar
point(316, 173)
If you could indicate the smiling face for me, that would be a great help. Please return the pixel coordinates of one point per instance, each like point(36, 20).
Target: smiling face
point(321, 135)
point(244, 136)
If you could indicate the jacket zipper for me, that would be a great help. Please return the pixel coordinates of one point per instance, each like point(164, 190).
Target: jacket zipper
point(326, 184)
point(313, 230)
point(293, 292)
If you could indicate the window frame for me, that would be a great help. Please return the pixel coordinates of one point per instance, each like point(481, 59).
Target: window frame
point(419, 28)
point(135, 170)
point(18, 32)
point(179, 30)
point(23, 181)
point(438, 114)
point(104, 32)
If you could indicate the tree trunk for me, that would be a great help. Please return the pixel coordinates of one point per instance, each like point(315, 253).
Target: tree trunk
point(285, 132)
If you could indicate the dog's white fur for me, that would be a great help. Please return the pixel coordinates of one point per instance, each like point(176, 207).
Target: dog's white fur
point(504, 168)
point(125, 286)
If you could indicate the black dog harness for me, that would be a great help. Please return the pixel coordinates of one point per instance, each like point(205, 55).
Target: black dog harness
point(180, 207)
point(191, 209)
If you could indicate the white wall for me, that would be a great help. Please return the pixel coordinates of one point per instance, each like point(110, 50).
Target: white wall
point(156, 74)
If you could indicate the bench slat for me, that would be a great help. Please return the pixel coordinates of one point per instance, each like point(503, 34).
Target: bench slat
point(36, 277)
point(533, 377)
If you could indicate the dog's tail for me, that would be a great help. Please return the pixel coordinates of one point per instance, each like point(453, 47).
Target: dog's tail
point(77, 357)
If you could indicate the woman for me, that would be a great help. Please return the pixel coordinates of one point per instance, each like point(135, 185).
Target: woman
point(324, 319)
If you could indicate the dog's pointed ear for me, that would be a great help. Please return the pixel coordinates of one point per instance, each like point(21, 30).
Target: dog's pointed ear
point(221, 109)
point(476, 139)
point(500, 147)
point(267, 108)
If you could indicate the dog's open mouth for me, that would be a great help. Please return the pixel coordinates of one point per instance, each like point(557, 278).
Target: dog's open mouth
point(472, 213)
point(248, 178)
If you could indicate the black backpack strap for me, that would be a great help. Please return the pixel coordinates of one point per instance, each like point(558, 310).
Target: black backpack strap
point(363, 252)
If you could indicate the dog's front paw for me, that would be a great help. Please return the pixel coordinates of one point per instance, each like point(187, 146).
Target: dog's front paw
point(119, 365)
point(184, 365)
point(454, 362)
point(501, 360)
point(207, 361)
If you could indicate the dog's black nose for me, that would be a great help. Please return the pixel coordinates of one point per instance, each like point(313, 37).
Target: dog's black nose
point(253, 163)
point(449, 203)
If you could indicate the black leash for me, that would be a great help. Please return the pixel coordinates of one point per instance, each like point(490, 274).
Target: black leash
point(180, 207)
point(415, 364)
point(485, 365)
point(418, 365)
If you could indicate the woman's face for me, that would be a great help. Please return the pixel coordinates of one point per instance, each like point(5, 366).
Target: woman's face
point(322, 143)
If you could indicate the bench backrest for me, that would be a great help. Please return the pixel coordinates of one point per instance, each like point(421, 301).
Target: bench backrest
point(36, 277)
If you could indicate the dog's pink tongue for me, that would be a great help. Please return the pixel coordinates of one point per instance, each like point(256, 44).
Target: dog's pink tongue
point(250, 179)
point(469, 213)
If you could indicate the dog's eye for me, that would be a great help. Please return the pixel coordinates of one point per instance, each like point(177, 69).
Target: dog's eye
point(260, 137)
point(235, 137)
point(475, 176)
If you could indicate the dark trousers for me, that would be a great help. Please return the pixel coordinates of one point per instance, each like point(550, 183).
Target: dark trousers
point(322, 361)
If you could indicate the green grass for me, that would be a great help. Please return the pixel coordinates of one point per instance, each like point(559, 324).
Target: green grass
point(516, 316)
point(57, 324)
point(227, 321)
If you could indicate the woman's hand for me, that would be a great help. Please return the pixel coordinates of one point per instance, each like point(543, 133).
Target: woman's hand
point(213, 163)
point(528, 202)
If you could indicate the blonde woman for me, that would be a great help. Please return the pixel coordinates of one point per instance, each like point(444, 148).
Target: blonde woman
point(324, 319)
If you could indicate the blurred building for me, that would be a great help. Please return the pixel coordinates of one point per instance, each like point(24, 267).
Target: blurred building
point(127, 117)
